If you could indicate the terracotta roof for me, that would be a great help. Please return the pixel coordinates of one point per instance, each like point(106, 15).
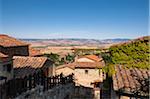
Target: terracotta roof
point(3, 55)
point(88, 65)
point(70, 65)
point(34, 52)
point(126, 79)
point(7, 41)
point(74, 65)
point(92, 57)
point(32, 62)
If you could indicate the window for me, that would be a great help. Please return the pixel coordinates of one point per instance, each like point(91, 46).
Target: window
point(86, 71)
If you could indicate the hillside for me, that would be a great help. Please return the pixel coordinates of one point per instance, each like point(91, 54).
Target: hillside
point(117, 40)
point(72, 42)
point(133, 53)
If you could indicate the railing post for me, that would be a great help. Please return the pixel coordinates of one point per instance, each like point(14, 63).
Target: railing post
point(58, 79)
point(44, 84)
point(54, 80)
point(50, 83)
point(61, 78)
point(42, 79)
point(25, 84)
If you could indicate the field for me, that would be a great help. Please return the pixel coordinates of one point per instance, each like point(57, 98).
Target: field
point(68, 46)
point(65, 50)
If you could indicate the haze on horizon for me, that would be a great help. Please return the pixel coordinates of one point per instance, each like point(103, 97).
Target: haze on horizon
point(89, 19)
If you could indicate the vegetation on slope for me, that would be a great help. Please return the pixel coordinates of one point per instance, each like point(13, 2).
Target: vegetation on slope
point(134, 53)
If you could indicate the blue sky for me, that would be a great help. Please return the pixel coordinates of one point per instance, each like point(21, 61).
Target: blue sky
point(95, 19)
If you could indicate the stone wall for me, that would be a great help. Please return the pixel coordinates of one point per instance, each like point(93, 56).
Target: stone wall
point(15, 51)
point(58, 92)
point(68, 91)
point(82, 92)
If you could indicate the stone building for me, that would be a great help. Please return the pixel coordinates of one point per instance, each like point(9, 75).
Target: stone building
point(6, 67)
point(86, 73)
point(26, 65)
point(66, 69)
point(25, 55)
point(13, 47)
point(87, 70)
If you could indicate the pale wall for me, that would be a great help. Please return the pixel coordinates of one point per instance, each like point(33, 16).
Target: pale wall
point(66, 71)
point(87, 79)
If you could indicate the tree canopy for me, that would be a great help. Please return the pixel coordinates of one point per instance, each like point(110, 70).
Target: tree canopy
point(134, 53)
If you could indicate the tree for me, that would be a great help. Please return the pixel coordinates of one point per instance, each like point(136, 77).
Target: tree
point(70, 58)
point(53, 57)
point(132, 54)
point(62, 61)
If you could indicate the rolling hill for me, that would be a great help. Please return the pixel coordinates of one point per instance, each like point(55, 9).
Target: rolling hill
point(72, 42)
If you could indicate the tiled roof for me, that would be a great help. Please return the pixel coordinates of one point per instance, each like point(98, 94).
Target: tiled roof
point(32, 62)
point(126, 79)
point(82, 65)
point(92, 57)
point(7, 41)
point(34, 52)
point(70, 65)
point(3, 55)
point(88, 65)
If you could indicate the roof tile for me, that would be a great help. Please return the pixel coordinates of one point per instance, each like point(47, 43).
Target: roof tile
point(7, 41)
point(33, 62)
point(92, 57)
point(126, 78)
point(82, 65)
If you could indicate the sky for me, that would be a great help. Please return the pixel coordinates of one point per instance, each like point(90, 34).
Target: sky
point(91, 19)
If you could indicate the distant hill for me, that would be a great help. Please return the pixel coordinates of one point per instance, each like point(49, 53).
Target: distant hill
point(134, 53)
point(117, 40)
point(71, 42)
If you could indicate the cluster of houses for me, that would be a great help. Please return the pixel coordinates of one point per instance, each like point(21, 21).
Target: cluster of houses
point(127, 83)
point(87, 70)
point(18, 59)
